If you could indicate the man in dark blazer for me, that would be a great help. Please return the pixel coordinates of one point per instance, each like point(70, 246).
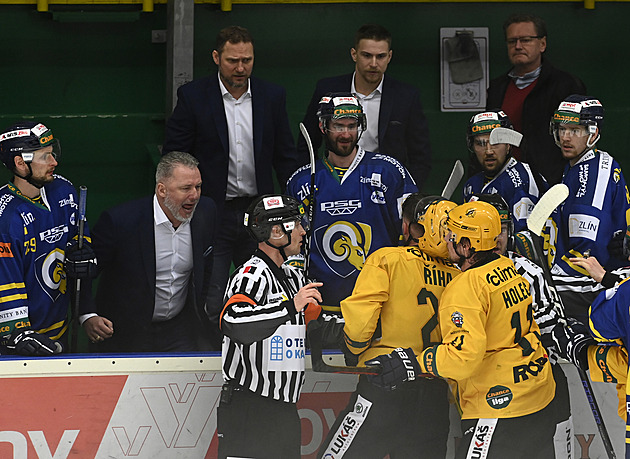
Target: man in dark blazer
point(237, 127)
point(396, 123)
point(155, 260)
point(529, 93)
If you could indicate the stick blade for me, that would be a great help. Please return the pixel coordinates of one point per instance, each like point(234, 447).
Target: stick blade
point(505, 135)
point(554, 196)
point(453, 181)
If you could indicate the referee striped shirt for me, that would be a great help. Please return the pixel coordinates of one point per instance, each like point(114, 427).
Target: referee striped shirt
point(259, 299)
point(544, 301)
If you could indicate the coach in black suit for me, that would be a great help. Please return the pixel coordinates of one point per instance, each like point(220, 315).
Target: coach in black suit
point(237, 127)
point(155, 259)
point(396, 123)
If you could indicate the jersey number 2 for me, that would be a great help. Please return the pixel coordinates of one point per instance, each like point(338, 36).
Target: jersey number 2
point(423, 298)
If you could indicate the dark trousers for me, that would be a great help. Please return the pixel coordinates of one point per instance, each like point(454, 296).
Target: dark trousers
point(411, 421)
point(252, 426)
point(523, 437)
point(174, 335)
point(233, 244)
point(180, 334)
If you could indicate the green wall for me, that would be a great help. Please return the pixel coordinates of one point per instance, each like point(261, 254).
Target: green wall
point(101, 86)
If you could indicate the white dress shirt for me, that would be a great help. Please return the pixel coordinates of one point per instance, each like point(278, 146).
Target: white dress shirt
point(372, 108)
point(173, 264)
point(240, 124)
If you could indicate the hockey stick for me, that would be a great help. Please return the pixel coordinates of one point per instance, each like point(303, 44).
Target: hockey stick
point(75, 308)
point(504, 135)
point(555, 196)
point(318, 364)
point(315, 334)
point(456, 176)
point(311, 199)
point(317, 359)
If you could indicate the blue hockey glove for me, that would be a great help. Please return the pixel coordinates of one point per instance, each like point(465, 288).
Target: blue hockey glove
point(80, 263)
point(397, 367)
point(31, 343)
point(572, 341)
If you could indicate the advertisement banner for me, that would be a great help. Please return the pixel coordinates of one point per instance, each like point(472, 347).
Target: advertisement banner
point(170, 413)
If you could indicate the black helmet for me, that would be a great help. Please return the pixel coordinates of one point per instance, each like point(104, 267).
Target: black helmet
point(23, 139)
point(270, 210)
point(579, 110)
point(484, 123)
point(340, 105)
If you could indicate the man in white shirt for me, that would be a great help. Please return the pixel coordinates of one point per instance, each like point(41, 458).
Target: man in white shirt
point(396, 126)
point(237, 126)
point(155, 260)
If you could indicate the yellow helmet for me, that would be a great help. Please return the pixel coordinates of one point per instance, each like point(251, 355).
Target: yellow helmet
point(478, 221)
point(430, 212)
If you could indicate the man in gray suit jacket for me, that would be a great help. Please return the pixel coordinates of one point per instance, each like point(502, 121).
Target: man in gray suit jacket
point(396, 123)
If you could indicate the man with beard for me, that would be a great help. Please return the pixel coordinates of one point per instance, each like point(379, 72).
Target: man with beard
point(358, 200)
point(501, 172)
point(38, 244)
point(155, 260)
point(237, 126)
point(396, 123)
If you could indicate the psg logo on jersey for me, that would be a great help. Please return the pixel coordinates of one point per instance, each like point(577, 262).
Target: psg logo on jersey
point(458, 319)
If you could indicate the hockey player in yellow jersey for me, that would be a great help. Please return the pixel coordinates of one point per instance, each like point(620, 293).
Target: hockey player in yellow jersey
point(491, 346)
point(396, 295)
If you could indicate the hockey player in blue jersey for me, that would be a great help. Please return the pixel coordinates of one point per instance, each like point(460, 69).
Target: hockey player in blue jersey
point(358, 196)
point(501, 173)
point(598, 204)
point(38, 221)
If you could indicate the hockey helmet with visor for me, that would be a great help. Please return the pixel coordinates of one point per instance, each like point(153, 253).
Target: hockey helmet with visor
point(430, 212)
point(578, 110)
point(484, 123)
point(504, 213)
point(24, 139)
point(270, 210)
point(336, 106)
point(477, 221)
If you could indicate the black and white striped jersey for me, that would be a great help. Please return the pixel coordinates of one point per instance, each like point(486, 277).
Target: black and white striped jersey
point(579, 292)
point(258, 310)
point(586, 284)
point(544, 300)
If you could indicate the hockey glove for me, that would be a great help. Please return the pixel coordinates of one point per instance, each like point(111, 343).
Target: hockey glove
point(626, 244)
point(397, 367)
point(572, 341)
point(80, 263)
point(616, 246)
point(30, 343)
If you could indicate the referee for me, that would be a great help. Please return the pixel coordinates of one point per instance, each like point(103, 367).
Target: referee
point(263, 321)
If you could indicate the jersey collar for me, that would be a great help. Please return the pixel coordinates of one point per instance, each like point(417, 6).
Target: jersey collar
point(19, 194)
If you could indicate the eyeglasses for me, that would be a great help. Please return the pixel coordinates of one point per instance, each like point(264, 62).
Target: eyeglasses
point(524, 40)
point(339, 128)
